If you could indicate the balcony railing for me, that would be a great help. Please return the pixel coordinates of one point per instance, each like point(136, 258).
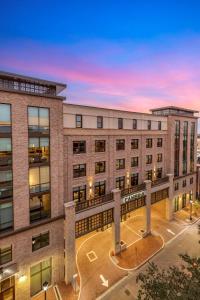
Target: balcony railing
point(41, 130)
point(28, 87)
point(93, 202)
point(160, 181)
point(6, 190)
point(35, 158)
point(5, 160)
point(133, 189)
point(39, 188)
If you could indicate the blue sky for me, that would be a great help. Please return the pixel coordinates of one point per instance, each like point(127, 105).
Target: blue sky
point(124, 54)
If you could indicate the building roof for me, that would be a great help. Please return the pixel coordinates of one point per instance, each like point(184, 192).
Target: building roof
point(174, 108)
point(18, 77)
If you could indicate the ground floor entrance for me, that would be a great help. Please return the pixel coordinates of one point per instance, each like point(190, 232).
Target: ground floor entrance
point(7, 289)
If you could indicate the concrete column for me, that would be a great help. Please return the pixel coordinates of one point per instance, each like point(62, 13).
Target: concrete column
point(116, 238)
point(70, 246)
point(148, 208)
point(169, 201)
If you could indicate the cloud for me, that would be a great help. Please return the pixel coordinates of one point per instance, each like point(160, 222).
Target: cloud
point(123, 74)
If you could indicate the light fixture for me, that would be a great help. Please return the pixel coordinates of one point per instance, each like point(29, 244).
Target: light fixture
point(22, 278)
point(45, 286)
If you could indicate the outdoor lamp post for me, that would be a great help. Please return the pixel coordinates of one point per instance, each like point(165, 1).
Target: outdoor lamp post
point(191, 202)
point(45, 288)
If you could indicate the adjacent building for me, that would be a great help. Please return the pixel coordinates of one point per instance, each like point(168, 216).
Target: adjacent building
point(66, 170)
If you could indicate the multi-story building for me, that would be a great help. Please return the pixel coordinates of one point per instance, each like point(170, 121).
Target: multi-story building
point(59, 164)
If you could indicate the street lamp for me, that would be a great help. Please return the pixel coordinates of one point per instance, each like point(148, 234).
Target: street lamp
point(191, 202)
point(45, 288)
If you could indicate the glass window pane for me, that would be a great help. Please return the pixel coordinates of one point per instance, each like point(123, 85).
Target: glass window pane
point(5, 114)
point(5, 176)
point(44, 117)
point(5, 144)
point(35, 284)
point(33, 116)
point(33, 142)
point(34, 178)
point(44, 174)
point(6, 215)
point(44, 142)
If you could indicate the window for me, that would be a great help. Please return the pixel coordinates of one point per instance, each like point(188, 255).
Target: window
point(184, 183)
point(149, 143)
point(40, 241)
point(192, 146)
point(134, 143)
point(134, 124)
point(120, 145)
point(6, 216)
point(120, 164)
point(159, 173)
point(185, 143)
point(39, 179)
point(5, 255)
point(134, 179)
point(176, 186)
point(149, 175)
point(159, 125)
point(79, 147)
point(149, 159)
point(38, 120)
point(184, 200)
point(120, 123)
point(159, 157)
point(38, 150)
point(134, 161)
point(149, 124)
point(79, 170)
point(5, 118)
point(176, 148)
point(78, 121)
point(159, 142)
point(120, 182)
point(100, 146)
point(100, 167)
point(176, 204)
point(99, 188)
point(5, 152)
point(99, 122)
point(5, 184)
point(79, 193)
point(191, 180)
point(40, 207)
point(39, 274)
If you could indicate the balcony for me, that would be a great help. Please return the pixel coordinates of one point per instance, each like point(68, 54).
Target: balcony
point(38, 130)
point(39, 188)
point(5, 159)
point(6, 189)
point(160, 181)
point(133, 189)
point(37, 158)
point(27, 87)
point(80, 206)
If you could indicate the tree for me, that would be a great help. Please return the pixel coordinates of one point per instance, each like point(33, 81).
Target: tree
point(174, 283)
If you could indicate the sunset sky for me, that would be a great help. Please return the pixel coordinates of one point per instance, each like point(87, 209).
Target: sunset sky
point(132, 55)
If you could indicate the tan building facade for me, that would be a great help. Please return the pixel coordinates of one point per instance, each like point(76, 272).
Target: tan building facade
point(66, 170)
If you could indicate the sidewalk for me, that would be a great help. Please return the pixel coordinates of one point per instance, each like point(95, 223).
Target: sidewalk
point(41, 296)
point(139, 252)
point(184, 215)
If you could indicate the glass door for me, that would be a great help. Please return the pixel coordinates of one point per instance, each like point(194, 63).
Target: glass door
point(7, 290)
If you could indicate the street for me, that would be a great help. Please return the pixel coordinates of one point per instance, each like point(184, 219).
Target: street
point(187, 241)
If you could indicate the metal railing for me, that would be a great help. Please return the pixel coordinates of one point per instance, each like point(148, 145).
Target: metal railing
point(28, 87)
point(160, 181)
point(93, 202)
point(133, 189)
point(39, 188)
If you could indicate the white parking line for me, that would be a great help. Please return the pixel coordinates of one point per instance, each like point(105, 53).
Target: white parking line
point(133, 230)
point(170, 231)
point(91, 256)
